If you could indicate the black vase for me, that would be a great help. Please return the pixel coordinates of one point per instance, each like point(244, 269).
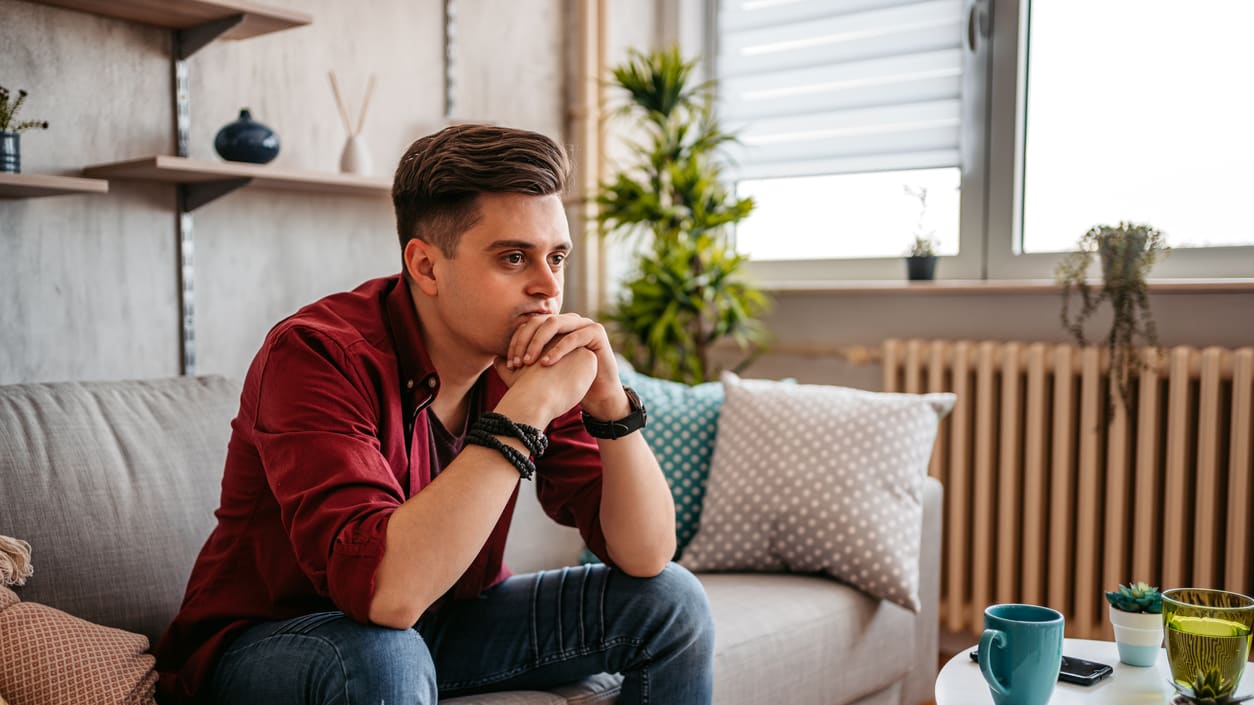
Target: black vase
point(246, 140)
point(921, 268)
point(10, 153)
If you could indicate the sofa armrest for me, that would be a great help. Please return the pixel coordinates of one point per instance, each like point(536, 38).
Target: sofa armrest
point(920, 683)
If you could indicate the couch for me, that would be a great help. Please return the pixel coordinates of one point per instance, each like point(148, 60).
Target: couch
point(114, 485)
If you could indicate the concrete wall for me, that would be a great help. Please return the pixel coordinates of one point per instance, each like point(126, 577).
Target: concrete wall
point(87, 283)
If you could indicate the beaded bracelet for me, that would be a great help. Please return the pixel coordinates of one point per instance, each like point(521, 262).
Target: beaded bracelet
point(501, 425)
point(525, 467)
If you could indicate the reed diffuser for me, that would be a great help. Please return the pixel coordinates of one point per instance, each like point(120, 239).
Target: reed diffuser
point(355, 159)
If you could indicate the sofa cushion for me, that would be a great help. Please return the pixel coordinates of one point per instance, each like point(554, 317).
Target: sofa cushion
point(114, 485)
point(48, 657)
point(803, 640)
point(819, 479)
point(683, 420)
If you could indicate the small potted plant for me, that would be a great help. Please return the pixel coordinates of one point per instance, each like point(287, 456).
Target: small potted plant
point(1136, 611)
point(11, 129)
point(921, 259)
point(1208, 688)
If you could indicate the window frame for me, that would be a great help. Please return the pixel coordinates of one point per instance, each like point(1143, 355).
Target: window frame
point(992, 148)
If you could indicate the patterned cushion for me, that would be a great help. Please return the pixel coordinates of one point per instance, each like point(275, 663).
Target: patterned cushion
point(49, 657)
point(682, 424)
point(819, 479)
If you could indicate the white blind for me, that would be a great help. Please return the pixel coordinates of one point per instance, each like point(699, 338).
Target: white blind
point(840, 86)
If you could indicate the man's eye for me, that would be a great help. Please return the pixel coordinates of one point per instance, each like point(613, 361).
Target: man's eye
point(557, 260)
point(514, 258)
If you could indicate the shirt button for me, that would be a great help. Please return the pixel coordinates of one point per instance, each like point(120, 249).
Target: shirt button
point(409, 384)
point(431, 382)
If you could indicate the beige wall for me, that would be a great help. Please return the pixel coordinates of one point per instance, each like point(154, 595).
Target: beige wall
point(87, 283)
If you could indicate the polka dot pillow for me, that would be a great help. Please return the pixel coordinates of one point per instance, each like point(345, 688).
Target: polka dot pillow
point(819, 479)
point(682, 423)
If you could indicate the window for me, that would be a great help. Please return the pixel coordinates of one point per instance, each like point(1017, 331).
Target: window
point(1026, 122)
point(850, 115)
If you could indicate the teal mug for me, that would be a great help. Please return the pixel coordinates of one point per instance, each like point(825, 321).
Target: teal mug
point(1021, 652)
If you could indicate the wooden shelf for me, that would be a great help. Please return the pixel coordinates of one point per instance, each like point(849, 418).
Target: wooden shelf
point(38, 185)
point(219, 178)
point(188, 14)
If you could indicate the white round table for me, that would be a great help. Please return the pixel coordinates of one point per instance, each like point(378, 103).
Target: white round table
point(960, 681)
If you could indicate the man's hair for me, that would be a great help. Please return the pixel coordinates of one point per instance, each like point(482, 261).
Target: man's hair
point(441, 175)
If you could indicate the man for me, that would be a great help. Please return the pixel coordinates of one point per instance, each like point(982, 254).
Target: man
point(376, 457)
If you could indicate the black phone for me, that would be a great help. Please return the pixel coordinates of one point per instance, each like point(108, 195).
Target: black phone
point(1074, 670)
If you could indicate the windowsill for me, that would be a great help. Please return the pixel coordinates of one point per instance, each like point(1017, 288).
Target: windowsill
point(996, 286)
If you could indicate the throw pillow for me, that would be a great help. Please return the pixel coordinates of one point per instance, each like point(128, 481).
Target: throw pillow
point(819, 479)
point(48, 657)
point(682, 424)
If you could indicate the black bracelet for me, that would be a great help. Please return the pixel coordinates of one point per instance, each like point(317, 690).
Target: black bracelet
point(500, 425)
point(525, 467)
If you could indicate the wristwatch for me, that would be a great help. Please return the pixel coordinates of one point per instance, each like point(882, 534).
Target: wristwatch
point(632, 422)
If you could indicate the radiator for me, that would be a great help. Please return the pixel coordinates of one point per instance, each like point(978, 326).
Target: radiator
point(1047, 504)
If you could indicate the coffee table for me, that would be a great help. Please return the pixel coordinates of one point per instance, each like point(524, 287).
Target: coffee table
point(960, 681)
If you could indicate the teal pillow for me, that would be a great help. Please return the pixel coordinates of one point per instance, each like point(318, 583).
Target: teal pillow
point(683, 421)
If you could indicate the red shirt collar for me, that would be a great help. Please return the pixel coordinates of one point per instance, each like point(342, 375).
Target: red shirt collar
point(418, 377)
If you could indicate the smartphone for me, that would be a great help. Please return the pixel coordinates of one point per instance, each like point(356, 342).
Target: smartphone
point(1074, 670)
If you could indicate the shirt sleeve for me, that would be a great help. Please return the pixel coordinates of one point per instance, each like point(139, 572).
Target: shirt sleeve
point(316, 430)
point(568, 480)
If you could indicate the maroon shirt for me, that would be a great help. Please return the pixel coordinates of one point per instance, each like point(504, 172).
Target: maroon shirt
point(328, 442)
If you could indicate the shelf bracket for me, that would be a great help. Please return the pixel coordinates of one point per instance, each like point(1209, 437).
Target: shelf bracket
point(198, 194)
point(189, 41)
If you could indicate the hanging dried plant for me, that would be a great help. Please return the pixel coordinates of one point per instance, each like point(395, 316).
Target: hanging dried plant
point(1127, 252)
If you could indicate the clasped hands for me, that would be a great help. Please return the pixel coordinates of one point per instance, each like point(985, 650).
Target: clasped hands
point(565, 359)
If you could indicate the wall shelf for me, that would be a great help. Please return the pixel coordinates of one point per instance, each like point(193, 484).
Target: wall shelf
point(256, 20)
point(208, 180)
point(39, 185)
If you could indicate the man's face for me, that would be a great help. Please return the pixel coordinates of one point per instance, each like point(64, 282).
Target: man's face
point(510, 265)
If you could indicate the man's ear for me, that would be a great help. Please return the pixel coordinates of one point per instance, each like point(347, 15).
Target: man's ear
point(420, 258)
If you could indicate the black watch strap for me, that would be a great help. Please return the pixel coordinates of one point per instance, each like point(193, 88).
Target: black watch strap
point(632, 422)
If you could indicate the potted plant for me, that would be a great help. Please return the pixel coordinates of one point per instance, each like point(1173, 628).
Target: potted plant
point(921, 258)
point(688, 290)
point(11, 130)
point(1126, 252)
point(1136, 612)
point(1208, 688)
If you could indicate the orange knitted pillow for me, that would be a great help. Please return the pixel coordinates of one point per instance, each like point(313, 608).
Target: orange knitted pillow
point(48, 657)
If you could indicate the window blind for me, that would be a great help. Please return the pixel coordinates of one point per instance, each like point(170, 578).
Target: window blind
point(840, 86)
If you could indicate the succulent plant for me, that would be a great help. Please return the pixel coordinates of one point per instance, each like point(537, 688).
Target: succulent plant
point(1136, 597)
point(1208, 688)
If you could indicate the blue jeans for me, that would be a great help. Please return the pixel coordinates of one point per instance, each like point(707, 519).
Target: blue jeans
point(529, 632)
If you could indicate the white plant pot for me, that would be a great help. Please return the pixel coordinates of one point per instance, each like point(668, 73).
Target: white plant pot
point(355, 159)
point(1139, 636)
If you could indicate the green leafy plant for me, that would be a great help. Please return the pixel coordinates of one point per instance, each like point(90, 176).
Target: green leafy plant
point(1208, 688)
point(1126, 252)
point(1136, 597)
point(8, 113)
point(688, 290)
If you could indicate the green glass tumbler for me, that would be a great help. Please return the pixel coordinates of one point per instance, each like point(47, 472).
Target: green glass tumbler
point(1208, 638)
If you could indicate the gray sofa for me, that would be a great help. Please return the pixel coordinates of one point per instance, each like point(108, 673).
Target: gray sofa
point(114, 484)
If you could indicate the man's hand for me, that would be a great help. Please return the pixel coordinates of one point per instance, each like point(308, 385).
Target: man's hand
point(546, 340)
point(546, 390)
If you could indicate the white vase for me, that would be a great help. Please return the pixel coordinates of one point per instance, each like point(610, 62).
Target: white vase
point(355, 159)
point(1139, 636)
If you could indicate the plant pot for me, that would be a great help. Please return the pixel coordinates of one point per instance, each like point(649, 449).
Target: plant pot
point(921, 268)
point(10, 153)
point(1120, 258)
point(1139, 636)
point(355, 159)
